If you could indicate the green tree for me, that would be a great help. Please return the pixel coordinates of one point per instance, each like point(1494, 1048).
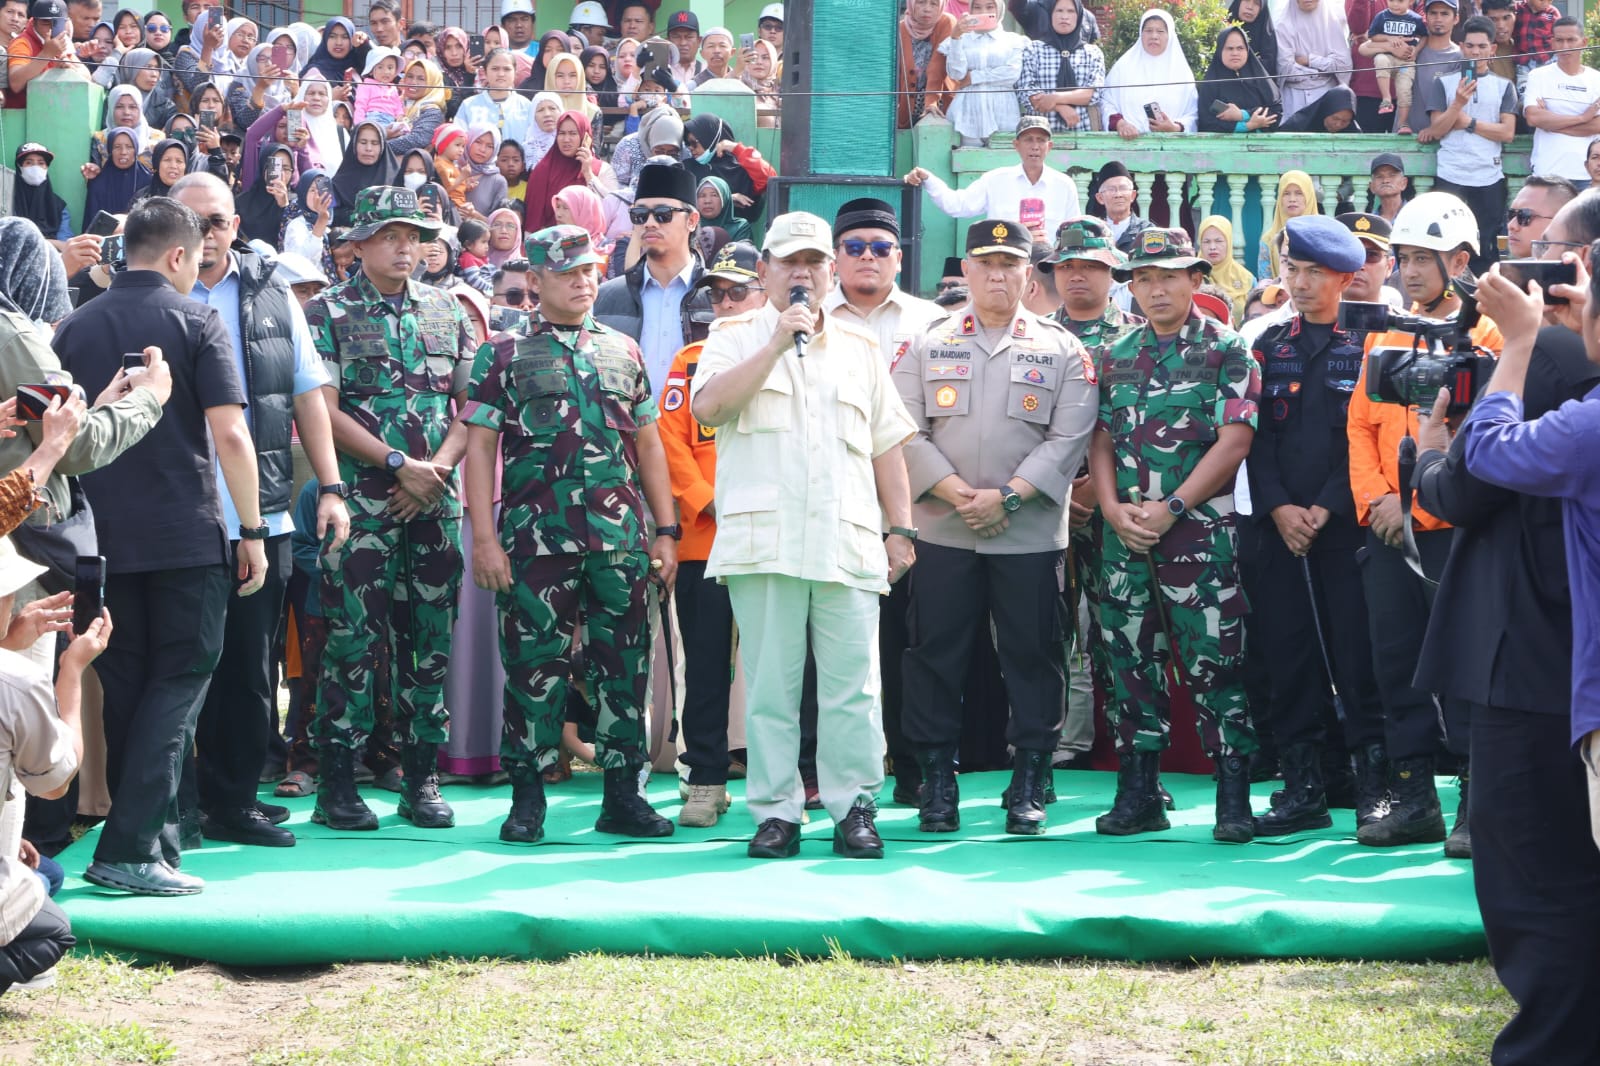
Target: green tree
point(1198, 23)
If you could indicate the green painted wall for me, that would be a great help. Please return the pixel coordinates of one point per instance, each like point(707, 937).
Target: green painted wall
point(63, 113)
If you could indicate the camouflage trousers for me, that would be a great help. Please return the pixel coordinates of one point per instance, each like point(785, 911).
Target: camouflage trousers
point(1205, 608)
point(1088, 577)
point(397, 584)
point(612, 593)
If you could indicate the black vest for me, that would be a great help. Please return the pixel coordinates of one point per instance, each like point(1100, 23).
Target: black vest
point(265, 327)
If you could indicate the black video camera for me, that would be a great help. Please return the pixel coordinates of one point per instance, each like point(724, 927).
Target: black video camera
point(1441, 355)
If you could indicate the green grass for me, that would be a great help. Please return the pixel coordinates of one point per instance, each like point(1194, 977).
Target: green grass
point(599, 1010)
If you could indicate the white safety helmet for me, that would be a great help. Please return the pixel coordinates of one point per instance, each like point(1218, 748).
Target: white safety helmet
point(771, 11)
point(1437, 221)
point(589, 13)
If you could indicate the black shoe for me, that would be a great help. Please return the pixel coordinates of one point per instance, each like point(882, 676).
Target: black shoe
point(1304, 805)
point(856, 837)
point(525, 823)
point(420, 802)
point(244, 825)
point(1167, 802)
point(1372, 784)
point(1026, 797)
point(142, 878)
point(1234, 824)
point(624, 812)
point(775, 839)
point(1458, 845)
point(1264, 766)
point(906, 793)
point(273, 812)
point(189, 835)
point(941, 795)
point(339, 806)
point(1138, 807)
point(1340, 786)
point(1414, 816)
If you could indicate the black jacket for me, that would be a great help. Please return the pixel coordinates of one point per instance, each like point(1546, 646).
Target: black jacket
point(619, 305)
point(1500, 632)
point(266, 328)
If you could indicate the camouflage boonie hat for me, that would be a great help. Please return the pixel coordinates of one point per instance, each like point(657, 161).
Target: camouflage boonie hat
point(1169, 249)
point(1087, 238)
point(383, 205)
point(561, 248)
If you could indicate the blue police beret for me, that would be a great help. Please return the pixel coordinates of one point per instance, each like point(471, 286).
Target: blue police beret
point(1324, 240)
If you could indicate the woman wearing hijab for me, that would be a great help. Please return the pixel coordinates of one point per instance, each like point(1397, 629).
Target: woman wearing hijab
point(482, 160)
point(337, 51)
point(760, 76)
point(1332, 112)
point(505, 236)
point(564, 77)
point(422, 88)
point(445, 274)
point(158, 36)
point(925, 86)
point(714, 150)
point(254, 93)
point(551, 45)
point(1254, 17)
point(599, 81)
point(143, 69)
point(306, 39)
point(715, 204)
point(983, 58)
point(124, 111)
point(365, 165)
point(261, 207)
point(1297, 195)
point(1236, 79)
point(1152, 73)
point(308, 220)
point(239, 36)
point(128, 28)
point(1216, 247)
point(568, 163)
point(34, 199)
point(113, 185)
point(459, 68)
point(1313, 51)
point(168, 162)
point(1062, 73)
point(416, 172)
point(546, 108)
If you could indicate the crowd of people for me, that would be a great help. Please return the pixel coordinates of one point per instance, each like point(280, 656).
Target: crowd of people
point(413, 385)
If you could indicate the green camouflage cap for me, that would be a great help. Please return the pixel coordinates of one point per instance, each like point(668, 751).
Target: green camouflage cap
point(1169, 249)
point(382, 205)
point(1089, 239)
point(561, 248)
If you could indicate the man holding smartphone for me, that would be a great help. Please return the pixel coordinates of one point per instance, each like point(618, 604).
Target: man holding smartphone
point(44, 45)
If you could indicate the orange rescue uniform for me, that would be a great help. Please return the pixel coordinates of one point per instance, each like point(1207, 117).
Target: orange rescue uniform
point(691, 457)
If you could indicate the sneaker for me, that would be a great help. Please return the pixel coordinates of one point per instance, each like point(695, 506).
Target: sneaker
point(703, 806)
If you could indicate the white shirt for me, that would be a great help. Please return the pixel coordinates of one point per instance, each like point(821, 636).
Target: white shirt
point(895, 322)
point(1562, 94)
point(796, 493)
point(1001, 194)
point(38, 752)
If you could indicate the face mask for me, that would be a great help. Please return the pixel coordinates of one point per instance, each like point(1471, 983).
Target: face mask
point(34, 175)
point(415, 181)
point(704, 157)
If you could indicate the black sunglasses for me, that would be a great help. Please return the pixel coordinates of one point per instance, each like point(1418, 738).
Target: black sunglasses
point(1523, 216)
point(856, 248)
point(734, 293)
point(515, 297)
point(943, 285)
point(211, 222)
point(662, 214)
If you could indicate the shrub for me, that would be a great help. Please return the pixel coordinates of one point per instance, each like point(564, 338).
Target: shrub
point(1198, 23)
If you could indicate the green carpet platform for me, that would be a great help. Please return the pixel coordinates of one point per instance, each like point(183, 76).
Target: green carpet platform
point(408, 893)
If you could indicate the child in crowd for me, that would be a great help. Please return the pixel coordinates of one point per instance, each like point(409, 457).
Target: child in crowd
point(655, 86)
point(449, 146)
point(377, 97)
point(474, 238)
point(1392, 42)
point(514, 168)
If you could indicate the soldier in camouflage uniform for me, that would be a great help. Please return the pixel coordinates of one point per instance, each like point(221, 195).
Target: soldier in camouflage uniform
point(1081, 266)
point(398, 353)
point(1177, 415)
point(567, 404)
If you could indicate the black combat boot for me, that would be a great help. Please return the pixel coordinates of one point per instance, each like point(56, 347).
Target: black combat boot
point(1340, 788)
point(1458, 845)
point(1372, 784)
point(1138, 807)
point(1026, 796)
point(1234, 824)
point(941, 796)
point(1303, 804)
point(1414, 816)
point(420, 802)
point(339, 806)
point(525, 823)
point(626, 813)
point(907, 782)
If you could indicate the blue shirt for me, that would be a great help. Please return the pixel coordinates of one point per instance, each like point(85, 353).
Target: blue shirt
point(309, 374)
point(1556, 455)
point(661, 335)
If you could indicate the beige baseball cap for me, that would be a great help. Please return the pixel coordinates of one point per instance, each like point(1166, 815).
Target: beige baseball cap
point(798, 231)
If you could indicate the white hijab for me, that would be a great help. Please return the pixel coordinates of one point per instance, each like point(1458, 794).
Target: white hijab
point(324, 128)
point(1139, 78)
point(1320, 33)
point(223, 62)
point(148, 135)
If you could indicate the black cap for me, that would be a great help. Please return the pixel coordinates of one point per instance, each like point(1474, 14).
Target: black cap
point(998, 235)
point(668, 181)
point(1111, 170)
point(662, 77)
point(952, 267)
point(865, 213)
point(684, 20)
point(47, 9)
point(1369, 227)
point(1387, 159)
point(735, 261)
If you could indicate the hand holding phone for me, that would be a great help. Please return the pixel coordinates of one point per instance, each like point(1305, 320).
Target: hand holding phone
point(88, 592)
point(34, 400)
point(1547, 272)
point(104, 224)
point(282, 54)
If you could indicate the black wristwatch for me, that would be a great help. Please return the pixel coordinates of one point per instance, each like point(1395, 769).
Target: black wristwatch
point(336, 488)
point(394, 461)
point(908, 532)
point(261, 532)
point(673, 531)
point(1009, 498)
point(1176, 506)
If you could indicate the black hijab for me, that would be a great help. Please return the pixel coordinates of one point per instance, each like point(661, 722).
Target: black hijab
point(112, 190)
point(260, 216)
point(446, 276)
point(1261, 35)
point(1309, 119)
point(1035, 20)
point(534, 82)
point(447, 209)
point(157, 187)
point(331, 68)
point(605, 94)
point(39, 204)
point(353, 175)
point(1246, 88)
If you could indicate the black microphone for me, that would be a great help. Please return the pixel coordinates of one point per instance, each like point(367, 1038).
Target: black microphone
point(802, 296)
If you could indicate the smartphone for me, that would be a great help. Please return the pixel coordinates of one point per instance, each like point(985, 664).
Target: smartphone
point(476, 45)
point(295, 121)
point(133, 363)
point(428, 199)
point(282, 54)
point(72, 296)
point(1219, 106)
point(58, 27)
point(747, 41)
point(1472, 73)
point(1031, 213)
point(208, 118)
point(1546, 272)
point(324, 187)
point(104, 224)
point(34, 400)
point(985, 23)
point(111, 250)
point(88, 591)
point(1151, 111)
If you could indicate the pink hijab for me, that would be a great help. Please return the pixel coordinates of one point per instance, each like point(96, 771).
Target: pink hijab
point(587, 212)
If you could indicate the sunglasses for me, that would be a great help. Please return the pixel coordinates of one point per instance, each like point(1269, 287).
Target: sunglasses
point(514, 297)
point(1523, 216)
point(947, 285)
point(662, 214)
point(1541, 248)
point(157, 27)
point(1375, 255)
point(733, 293)
point(211, 222)
point(855, 249)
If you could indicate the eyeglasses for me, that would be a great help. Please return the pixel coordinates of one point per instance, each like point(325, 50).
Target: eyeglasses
point(514, 297)
point(1540, 248)
point(504, 227)
point(211, 222)
point(662, 214)
point(946, 286)
point(1523, 216)
point(855, 249)
point(733, 293)
point(1376, 255)
point(157, 27)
